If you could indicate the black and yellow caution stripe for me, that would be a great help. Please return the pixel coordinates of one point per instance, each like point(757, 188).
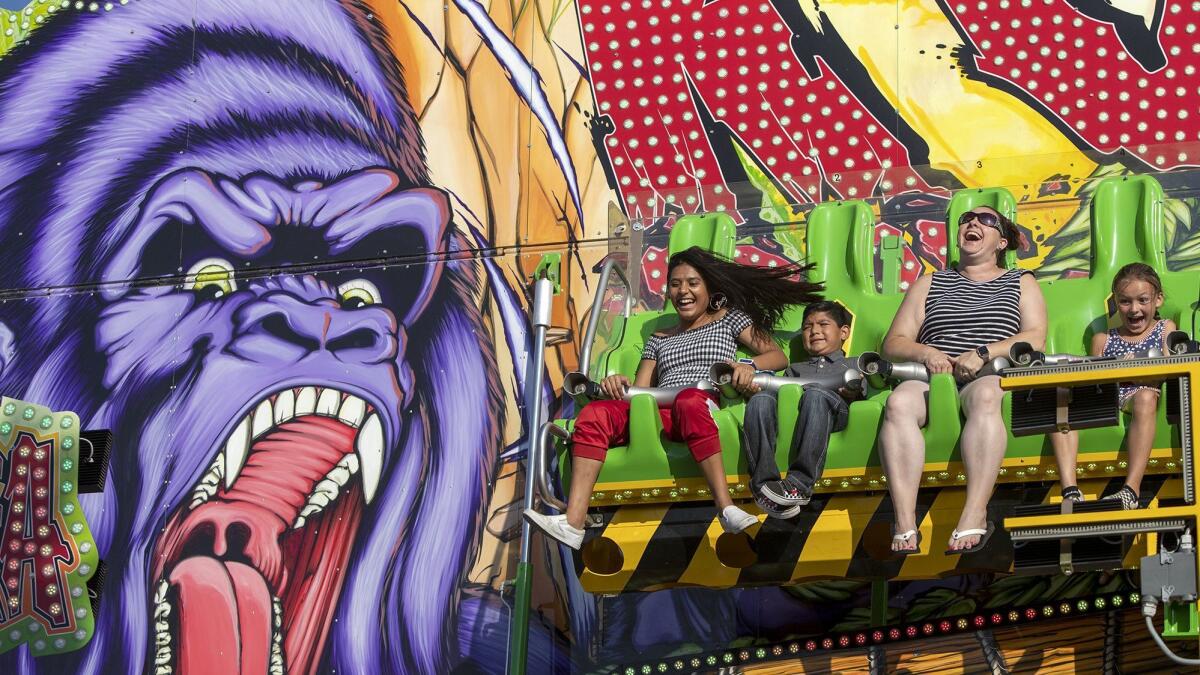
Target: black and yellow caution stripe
point(653, 546)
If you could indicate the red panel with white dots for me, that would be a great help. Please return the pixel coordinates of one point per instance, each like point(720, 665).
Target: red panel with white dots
point(644, 53)
point(1077, 68)
point(659, 66)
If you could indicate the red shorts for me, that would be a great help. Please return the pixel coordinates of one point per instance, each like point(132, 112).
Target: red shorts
point(605, 424)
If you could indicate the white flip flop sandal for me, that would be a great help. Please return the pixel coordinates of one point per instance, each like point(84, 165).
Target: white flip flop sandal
point(905, 537)
point(984, 534)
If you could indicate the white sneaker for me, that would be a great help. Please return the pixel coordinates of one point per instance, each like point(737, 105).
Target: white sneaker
point(556, 527)
point(734, 520)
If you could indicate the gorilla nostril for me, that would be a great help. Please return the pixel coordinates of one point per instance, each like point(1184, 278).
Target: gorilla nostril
point(237, 541)
point(227, 541)
point(277, 326)
point(362, 338)
point(200, 541)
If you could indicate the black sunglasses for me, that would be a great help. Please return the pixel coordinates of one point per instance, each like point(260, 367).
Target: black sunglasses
point(986, 219)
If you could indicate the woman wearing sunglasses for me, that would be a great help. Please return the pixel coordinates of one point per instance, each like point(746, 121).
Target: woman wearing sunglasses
point(954, 321)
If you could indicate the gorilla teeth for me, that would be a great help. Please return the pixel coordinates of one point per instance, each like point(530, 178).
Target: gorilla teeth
point(353, 410)
point(162, 660)
point(369, 446)
point(285, 406)
point(264, 419)
point(162, 630)
point(209, 481)
point(327, 489)
point(306, 401)
point(329, 402)
point(236, 449)
point(276, 666)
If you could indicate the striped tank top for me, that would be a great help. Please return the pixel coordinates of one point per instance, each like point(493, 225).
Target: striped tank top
point(961, 314)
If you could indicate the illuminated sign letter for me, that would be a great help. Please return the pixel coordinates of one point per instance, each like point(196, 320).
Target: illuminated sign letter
point(47, 553)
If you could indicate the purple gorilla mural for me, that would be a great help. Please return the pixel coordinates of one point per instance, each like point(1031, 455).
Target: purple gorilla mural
point(302, 458)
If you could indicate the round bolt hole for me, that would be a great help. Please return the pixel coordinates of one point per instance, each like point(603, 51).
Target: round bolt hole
point(736, 550)
point(603, 556)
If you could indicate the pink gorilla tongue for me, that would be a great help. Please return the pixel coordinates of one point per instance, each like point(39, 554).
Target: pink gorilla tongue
point(224, 617)
point(224, 608)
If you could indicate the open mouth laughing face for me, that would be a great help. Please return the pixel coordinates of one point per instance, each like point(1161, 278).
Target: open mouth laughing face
point(289, 404)
point(978, 231)
point(688, 292)
point(1138, 302)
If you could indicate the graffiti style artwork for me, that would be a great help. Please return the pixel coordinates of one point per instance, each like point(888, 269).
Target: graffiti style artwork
point(270, 514)
point(47, 554)
point(270, 245)
point(762, 109)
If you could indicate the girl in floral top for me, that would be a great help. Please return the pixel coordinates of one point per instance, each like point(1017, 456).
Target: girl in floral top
point(1138, 293)
point(720, 305)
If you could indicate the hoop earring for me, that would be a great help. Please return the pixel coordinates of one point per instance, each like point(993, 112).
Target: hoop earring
point(717, 301)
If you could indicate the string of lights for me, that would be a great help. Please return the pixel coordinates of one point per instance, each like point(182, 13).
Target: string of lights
point(859, 639)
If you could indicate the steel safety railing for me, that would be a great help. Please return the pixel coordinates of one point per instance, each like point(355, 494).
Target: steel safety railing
point(543, 295)
point(540, 465)
point(589, 337)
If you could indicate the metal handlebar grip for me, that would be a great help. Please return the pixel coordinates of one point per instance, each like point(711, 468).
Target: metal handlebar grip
point(579, 387)
point(721, 375)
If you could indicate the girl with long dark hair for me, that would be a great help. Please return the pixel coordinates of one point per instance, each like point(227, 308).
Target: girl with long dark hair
point(720, 304)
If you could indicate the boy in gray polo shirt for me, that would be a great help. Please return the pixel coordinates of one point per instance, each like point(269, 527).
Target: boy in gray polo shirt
point(822, 411)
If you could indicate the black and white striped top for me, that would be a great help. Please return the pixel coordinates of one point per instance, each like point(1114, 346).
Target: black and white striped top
point(684, 358)
point(961, 314)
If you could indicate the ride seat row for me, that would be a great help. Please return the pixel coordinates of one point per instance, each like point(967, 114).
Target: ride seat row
point(1126, 226)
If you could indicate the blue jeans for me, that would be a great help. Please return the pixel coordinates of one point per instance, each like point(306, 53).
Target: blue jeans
point(822, 412)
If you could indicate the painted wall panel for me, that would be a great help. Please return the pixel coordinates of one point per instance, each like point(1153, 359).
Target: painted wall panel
point(316, 219)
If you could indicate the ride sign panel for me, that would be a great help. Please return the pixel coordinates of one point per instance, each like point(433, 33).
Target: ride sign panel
point(47, 554)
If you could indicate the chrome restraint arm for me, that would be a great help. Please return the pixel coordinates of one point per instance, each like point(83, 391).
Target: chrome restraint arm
point(579, 387)
point(721, 375)
point(879, 372)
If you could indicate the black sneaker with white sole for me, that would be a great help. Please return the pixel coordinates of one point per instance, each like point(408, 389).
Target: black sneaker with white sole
point(784, 493)
point(774, 510)
point(1128, 498)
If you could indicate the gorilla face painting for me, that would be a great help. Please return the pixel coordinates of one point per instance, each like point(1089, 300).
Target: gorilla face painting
point(211, 187)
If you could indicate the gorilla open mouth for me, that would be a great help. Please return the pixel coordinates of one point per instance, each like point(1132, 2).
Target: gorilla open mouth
point(265, 540)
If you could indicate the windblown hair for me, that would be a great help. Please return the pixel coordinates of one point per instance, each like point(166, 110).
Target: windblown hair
point(1138, 272)
point(763, 293)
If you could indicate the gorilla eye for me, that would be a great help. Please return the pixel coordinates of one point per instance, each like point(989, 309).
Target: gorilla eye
point(211, 278)
point(358, 293)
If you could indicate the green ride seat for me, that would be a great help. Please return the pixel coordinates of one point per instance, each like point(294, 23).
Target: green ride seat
point(650, 459)
point(715, 232)
point(1126, 226)
point(1002, 201)
point(846, 266)
point(840, 240)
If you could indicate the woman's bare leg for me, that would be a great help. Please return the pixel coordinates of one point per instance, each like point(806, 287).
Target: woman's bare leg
point(714, 472)
point(902, 450)
point(584, 473)
point(983, 443)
